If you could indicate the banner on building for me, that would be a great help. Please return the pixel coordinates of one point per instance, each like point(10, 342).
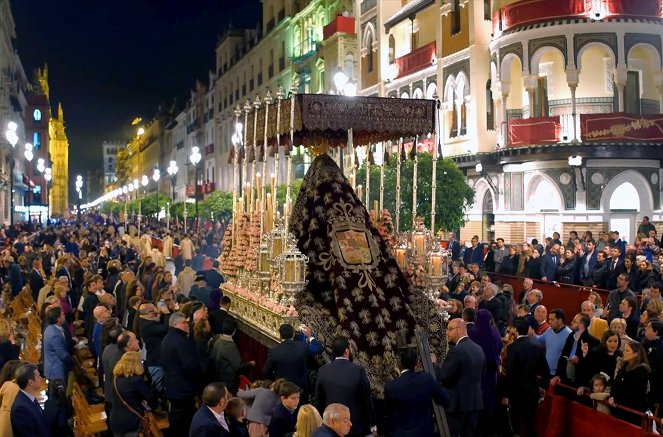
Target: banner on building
point(532, 131)
point(620, 127)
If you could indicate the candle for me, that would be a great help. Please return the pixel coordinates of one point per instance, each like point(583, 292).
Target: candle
point(258, 182)
point(269, 218)
point(419, 244)
point(359, 189)
point(277, 247)
point(273, 183)
point(400, 257)
point(352, 181)
point(435, 266)
point(264, 262)
point(289, 270)
point(375, 208)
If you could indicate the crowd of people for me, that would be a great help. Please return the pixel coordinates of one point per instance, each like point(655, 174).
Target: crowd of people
point(163, 338)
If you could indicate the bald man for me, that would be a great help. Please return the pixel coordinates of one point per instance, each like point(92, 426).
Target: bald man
point(597, 326)
point(460, 375)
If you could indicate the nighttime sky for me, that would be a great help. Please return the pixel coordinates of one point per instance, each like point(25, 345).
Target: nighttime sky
point(112, 60)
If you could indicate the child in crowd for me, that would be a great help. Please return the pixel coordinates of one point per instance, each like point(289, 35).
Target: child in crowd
point(236, 418)
point(599, 392)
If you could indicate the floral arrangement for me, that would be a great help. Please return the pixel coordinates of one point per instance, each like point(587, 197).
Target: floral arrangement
point(227, 266)
point(253, 243)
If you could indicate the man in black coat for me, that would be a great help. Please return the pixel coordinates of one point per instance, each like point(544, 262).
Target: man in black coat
point(409, 397)
point(27, 417)
point(179, 360)
point(615, 267)
point(460, 375)
point(217, 316)
point(572, 352)
point(213, 277)
point(527, 376)
point(288, 360)
point(210, 420)
point(343, 382)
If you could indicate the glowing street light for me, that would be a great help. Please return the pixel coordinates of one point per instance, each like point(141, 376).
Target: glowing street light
point(172, 171)
point(195, 159)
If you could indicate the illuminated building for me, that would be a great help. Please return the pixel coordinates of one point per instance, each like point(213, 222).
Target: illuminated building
point(59, 150)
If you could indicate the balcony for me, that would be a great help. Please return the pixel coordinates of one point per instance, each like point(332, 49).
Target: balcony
point(534, 11)
point(416, 60)
point(339, 24)
point(208, 187)
point(306, 50)
point(615, 127)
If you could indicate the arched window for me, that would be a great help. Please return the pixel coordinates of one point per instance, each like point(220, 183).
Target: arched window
point(36, 115)
point(369, 52)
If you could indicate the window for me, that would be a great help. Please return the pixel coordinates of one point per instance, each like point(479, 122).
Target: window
point(36, 140)
point(632, 93)
point(369, 53)
point(540, 99)
point(490, 107)
point(455, 17)
point(36, 115)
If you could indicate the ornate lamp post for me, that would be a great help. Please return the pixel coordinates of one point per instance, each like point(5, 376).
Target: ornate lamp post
point(41, 168)
point(156, 176)
point(12, 138)
point(195, 159)
point(48, 175)
point(79, 189)
point(172, 172)
point(143, 181)
point(28, 157)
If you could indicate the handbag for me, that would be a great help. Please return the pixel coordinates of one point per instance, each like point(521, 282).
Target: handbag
point(144, 429)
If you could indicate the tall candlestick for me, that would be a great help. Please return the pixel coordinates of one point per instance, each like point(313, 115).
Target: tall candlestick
point(368, 177)
point(397, 209)
point(359, 192)
point(414, 182)
point(382, 177)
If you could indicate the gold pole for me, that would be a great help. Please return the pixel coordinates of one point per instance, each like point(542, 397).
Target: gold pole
point(279, 98)
point(256, 106)
point(398, 186)
point(414, 181)
point(436, 136)
point(353, 164)
point(245, 163)
point(288, 170)
point(237, 112)
point(368, 180)
point(268, 101)
point(382, 180)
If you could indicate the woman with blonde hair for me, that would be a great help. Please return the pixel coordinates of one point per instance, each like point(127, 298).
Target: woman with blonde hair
point(618, 325)
point(308, 420)
point(8, 391)
point(130, 390)
point(596, 299)
point(8, 350)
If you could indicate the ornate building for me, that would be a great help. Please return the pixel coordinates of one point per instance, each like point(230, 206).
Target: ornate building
point(59, 149)
point(551, 108)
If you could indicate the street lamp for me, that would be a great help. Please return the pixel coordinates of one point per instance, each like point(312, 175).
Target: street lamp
point(156, 176)
point(12, 138)
point(79, 189)
point(172, 171)
point(344, 85)
point(28, 157)
point(41, 167)
point(48, 176)
point(195, 159)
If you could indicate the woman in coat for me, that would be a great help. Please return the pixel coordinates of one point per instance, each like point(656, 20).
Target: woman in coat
point(8, 391)
point(630, 386)
point(131, 390)
point(566, 271)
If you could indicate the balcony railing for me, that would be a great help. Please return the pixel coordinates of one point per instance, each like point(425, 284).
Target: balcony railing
point(305, 50)
point(607, 127)
point(533, 11)
point(416, 60)
point(339, 24)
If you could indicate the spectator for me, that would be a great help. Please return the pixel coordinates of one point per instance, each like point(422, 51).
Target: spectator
point(615, 267)
point(8, 350)
point(109, 357)
point(57, 360)
point(474, 254)
point(495, 305)
point(600, 359)
point(549, 263)
point(599, 273)
point(264, 402)
point(618, 325)
point(628, 308)
point(654, 345)
point(646, 227)
point(646, 278)
point(572, 356)
point(27, 417)
point(587, 263)
point(213, 276)
point(510, 262)
point(308, 420)
point(630, 386)
point(596, 299)
point(130, 391)
point(499, 253)
point(527, 375)
point(217, 316)
point(617, 242)
point(615, 297)
point(567, 269)
point(599, 392)
point(210, 419)
point(335, 422)
point(453, 246)
point(527, 286)
point(533, 264)
point(344, 382)
point(540, 318)
point(554, 339)
point(225, 356)
point(534, 298)
point(654, 295)
point(234, 413)
point(597, 325)
point(284, 417)
point(633, 272)
point(288, 359)
point(182, 371)
point(408, 398)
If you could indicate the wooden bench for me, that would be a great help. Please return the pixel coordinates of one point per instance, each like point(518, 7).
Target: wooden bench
point(90, 419)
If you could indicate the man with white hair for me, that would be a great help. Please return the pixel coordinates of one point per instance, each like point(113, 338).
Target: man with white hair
point(335, 422)
point(495, 305)
point(470, 302)
point(597, 325)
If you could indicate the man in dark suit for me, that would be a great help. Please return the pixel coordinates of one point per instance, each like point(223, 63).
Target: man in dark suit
point(527, 375)
point(217, 316)
point(615, 267)
point(587, 263)
point(409, 397)
point(460, 375)
point(474, 254)
point(179, 360)
point(343, 382)
point(336, 422)
point(572, 355)
point(210, 420)
point(37, 279)
point(27, 417)
point(454, 247)
point(288, 360)
point(549, 263)
point(213, 277)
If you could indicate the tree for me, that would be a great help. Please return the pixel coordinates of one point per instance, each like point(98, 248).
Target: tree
point(453, 195)
point(220, 204)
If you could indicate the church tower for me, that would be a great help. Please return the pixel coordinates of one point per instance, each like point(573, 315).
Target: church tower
point(59, 148)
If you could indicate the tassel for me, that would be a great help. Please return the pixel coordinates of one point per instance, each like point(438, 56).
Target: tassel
point(371, 158)
point(402, 152)
point(413, 152)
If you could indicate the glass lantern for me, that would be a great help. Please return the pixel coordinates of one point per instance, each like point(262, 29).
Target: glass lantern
point(276, 243)
point(292, 271)
point(420, 239)
point(438, 268)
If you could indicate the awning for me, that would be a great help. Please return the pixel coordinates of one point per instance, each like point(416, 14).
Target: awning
point(409, 10)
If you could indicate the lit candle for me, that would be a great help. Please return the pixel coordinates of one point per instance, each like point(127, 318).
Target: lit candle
point(289, 270)
point(400, 257)
point(436, 265)
point(375, 208)
point(258, 182)
point(352, 181)
point(419, 244)
point(273, 183)
point(359, 190)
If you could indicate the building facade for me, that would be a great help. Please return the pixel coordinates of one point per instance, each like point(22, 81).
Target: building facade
point(109, 151)
point(59, 150)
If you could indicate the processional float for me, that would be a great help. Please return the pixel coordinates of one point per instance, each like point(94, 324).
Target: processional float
point(326, 258)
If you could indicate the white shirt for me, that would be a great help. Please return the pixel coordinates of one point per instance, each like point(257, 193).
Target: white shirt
point(221, 418)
